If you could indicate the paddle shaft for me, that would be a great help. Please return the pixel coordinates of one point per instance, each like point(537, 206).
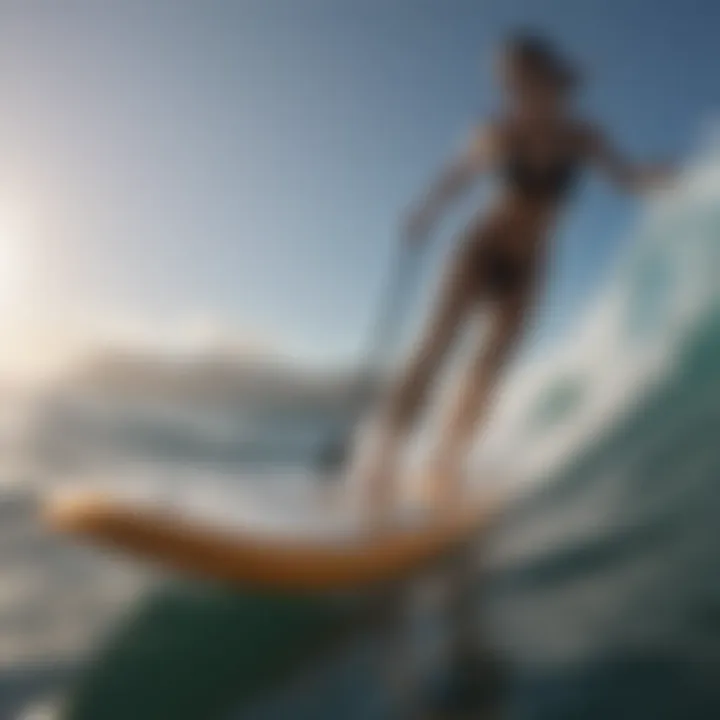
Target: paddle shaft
point(390, 314)
point(380, 346)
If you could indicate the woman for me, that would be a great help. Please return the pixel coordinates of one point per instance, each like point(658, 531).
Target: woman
point(537, 148)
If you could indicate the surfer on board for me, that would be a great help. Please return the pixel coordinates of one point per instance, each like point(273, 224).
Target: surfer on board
point(536, 146)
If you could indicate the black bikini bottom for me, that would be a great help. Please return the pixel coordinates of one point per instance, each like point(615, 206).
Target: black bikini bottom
point(500, 271)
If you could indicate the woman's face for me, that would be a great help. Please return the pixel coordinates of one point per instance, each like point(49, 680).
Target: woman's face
point(528, 89)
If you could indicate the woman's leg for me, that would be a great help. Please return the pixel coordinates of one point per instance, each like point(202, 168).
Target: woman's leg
point(474, 394)
point(407, 397)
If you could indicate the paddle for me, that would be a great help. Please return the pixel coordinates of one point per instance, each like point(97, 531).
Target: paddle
point(402, 274)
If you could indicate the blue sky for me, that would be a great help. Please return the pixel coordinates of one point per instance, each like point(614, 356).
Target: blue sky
point(248, 161)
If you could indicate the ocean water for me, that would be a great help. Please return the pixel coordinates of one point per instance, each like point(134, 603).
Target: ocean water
point(598, 590)
point(601, 585)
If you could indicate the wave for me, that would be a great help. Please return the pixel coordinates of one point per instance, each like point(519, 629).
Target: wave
point(607, 559)
point(656, 314)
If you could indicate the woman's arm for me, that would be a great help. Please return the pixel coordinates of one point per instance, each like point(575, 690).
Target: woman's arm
point(457, 177)
point(635, 178)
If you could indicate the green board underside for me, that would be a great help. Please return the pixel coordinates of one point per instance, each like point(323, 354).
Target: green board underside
point(194, 652)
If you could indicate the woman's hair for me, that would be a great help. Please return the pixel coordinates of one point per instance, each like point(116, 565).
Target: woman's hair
point(539, 57)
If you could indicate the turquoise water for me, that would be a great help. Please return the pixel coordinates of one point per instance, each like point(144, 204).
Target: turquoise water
point(610, 604)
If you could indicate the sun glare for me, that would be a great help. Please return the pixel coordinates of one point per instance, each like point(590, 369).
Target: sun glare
point(13, 246)
point(9, 272)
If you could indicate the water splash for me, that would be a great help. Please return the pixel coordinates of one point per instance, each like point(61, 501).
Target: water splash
point(662, 300)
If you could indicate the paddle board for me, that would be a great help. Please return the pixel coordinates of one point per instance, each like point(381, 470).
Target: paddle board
point(254, 612)
point(244, 558)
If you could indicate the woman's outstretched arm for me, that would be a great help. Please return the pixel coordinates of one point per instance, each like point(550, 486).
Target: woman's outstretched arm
point(627, 175)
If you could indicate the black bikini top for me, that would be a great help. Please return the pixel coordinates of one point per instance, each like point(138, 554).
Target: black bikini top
point(548, 183)
point(532, 180)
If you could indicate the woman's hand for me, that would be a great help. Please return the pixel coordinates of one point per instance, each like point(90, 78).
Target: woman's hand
point(625, 174)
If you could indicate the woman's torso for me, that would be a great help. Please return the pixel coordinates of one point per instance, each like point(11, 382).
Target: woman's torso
point(538, 166)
